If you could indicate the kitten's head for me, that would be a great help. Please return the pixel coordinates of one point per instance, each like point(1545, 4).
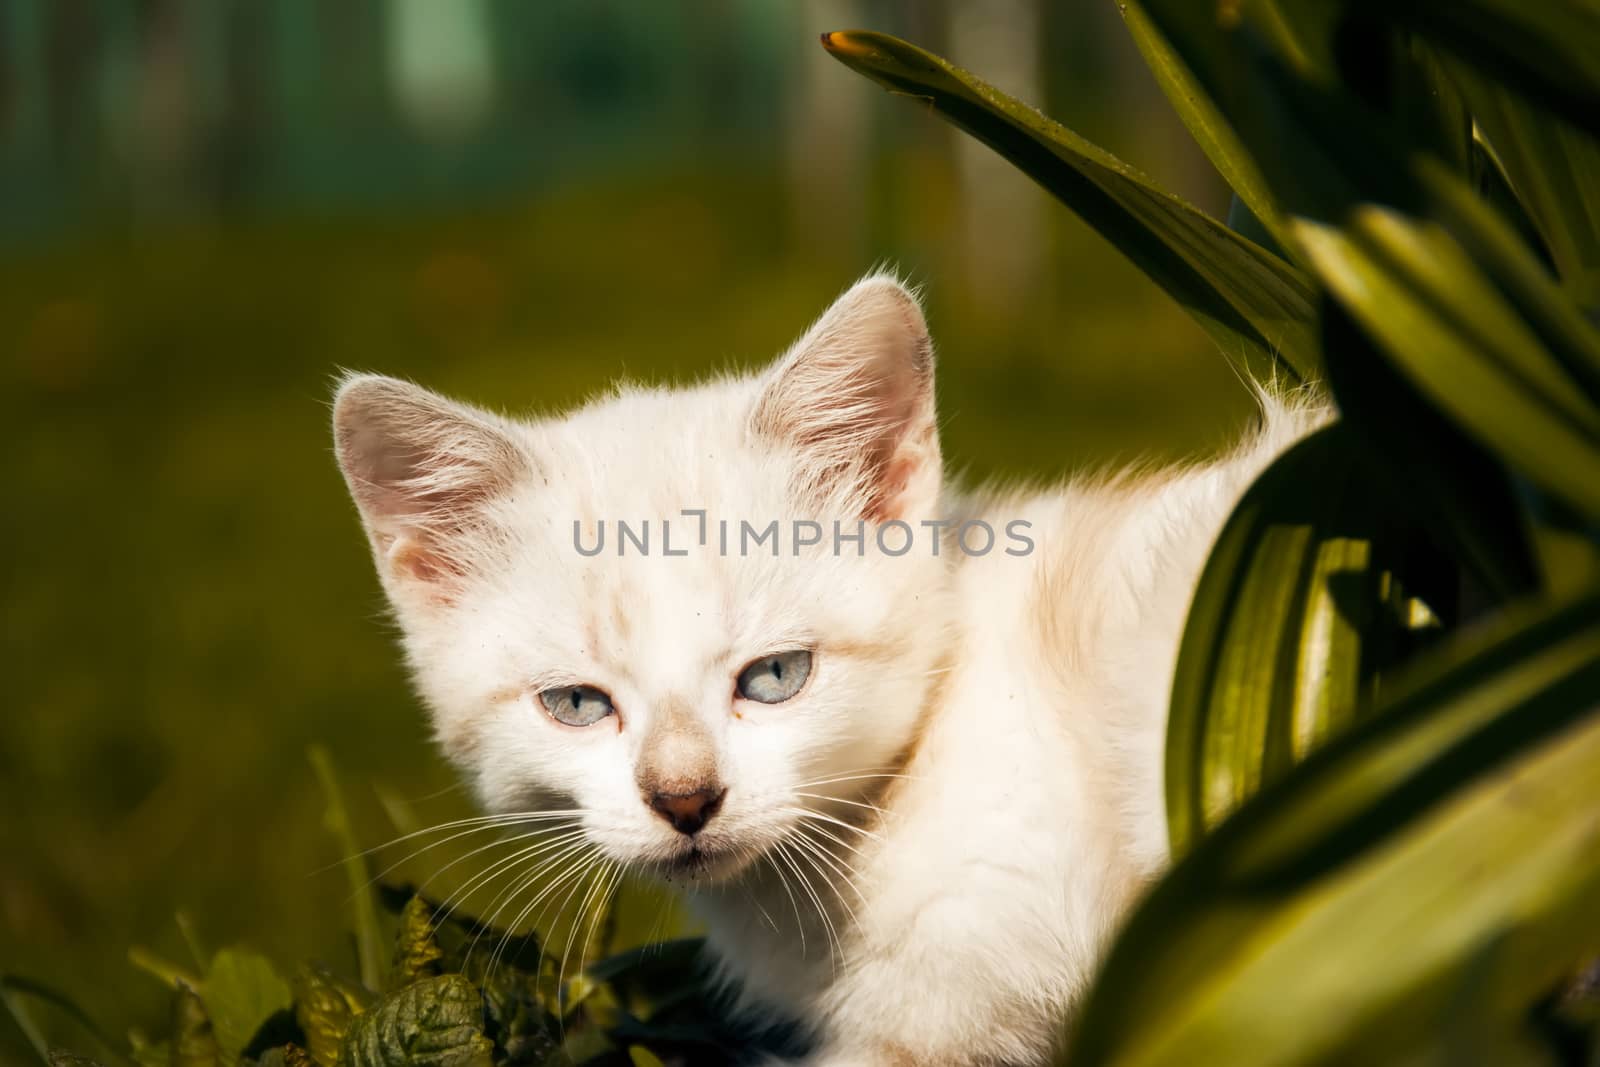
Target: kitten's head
point(694, 700)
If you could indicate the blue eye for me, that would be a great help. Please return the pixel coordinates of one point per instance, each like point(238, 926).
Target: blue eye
point(576, 705)
point(775, 678)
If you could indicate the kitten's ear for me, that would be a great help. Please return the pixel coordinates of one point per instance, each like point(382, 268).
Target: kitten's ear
point(855, 397)
point(420, 468)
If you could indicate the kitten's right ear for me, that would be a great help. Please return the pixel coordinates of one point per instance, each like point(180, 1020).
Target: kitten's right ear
point(854, 397)
point(420, 468)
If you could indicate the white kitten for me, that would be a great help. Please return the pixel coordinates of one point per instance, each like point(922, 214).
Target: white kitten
point(910, 792)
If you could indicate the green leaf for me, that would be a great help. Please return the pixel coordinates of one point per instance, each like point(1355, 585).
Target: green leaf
point(242, 991)
point(416, 953)
point(194, 1042)
point(1404, 895)
point(1454, 335)
point(14, 991)
point(1549, 50)
point(1294, 615)
point(640, 1056)
point(1554, 169)
point(324, 1007)
point(1275, 82)
point(1422, 100)
point(516, 980)
point(435, 1022)
point(1568, 336)
point(9, 990)
point(163, 970)
point(1433, 477)
point(518, 1020)
point(460, 936)
point(1215, 136)
point(147, 1053)
point(191, 938)
point(1255, 306)
point(60, 1057)
point(369, 937)
point(290, 1055)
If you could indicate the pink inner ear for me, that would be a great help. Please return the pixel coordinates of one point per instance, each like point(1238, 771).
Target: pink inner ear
point(420, 468)
point(414, 559)
point(856, 393)
point(886, 504)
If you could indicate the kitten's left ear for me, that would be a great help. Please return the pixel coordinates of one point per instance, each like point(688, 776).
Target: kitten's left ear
point(854, 396)
point(421, 469)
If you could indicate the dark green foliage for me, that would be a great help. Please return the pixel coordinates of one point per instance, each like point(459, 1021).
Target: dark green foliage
point(433, 1022)
point(62, 1058)
point(323, 1008)
point(455, 993)
point(1385, 725)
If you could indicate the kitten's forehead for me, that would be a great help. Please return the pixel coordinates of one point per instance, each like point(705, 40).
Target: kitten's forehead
point(651, 440)
point(663, 626)
point(682, 472)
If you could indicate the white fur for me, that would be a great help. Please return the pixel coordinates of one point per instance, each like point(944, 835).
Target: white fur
point(959, 806)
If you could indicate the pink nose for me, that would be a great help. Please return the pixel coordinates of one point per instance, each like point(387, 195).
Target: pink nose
point(688, 812)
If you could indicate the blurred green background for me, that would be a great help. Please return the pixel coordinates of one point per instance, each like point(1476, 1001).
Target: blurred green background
point(208, 207)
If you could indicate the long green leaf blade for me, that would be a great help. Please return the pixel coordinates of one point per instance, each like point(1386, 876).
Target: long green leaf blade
point(1269, 77)
point(1549, 50)
point(1257, 307)
point(1284, 635)
point(369, 937)
point(1215, 136)
point(1436, 863)
point(1453, 334)
point(1553, 167)
point(1433, 475)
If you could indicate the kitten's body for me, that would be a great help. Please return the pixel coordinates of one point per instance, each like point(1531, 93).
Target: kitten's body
point(920, 853)
point(1031, 810)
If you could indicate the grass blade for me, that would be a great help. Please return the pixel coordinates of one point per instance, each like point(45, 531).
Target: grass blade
point(369, 937)
point(12, 991)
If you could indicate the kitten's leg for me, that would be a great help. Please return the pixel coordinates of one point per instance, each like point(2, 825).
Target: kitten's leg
point(976, 981)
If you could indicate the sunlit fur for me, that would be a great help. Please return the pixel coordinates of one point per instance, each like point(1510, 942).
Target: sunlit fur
point(921, 854)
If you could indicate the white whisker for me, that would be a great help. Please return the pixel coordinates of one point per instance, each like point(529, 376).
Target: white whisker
point(459, 859)
point(817, 849)
point(835, 949)
point(601, 905)
point(522, 882)
point(591, 864)
point(800, 924)
point(856, 778)
point(485, 821)
point(449, 905)
point(809, 814)
point(526, 883)
point(842, 800)
point(823, 830)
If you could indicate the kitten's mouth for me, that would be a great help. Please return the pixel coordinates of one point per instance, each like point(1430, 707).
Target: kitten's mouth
point(700, 862)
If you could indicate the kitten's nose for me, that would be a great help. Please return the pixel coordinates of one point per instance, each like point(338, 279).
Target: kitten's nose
point(687, 812)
